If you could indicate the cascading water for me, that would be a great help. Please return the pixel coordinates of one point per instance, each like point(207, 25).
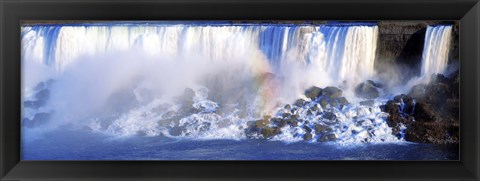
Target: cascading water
point(226, 66)
point(436, 49)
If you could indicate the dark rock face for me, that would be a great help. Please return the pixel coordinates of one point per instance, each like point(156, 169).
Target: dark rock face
point(430, 111)
point(411, 54)
point(367, 90)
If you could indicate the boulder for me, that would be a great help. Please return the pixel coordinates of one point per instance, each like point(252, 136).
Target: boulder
point(418, 91)
point(343, 101)
point(299, 102)
point(331, 92)
point(329, 116)
point(367, 90)
point(313, 92)
point(307, 129)
point(424, 113)
point(327, 137)
point(270, 132)
point(324, 103)
point(307, 136)
point(319, 129)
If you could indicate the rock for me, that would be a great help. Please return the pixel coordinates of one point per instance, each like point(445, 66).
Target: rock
point(262, 123)
point(432, 132)
point(439, 78)
point(279, 122)
point(391, 107)
point(270, 132)
point(329, 116)
point(307, 136)
point(367, 103)
point(287, 107)
point(319, 129)
point(313, 92)
point(418, 91)
point(299, 102)
point(327, 137)
point(424, 113)
point(309, 113)
point(286, 115)
point(332, 92)
point(324, 103)
point(367, 90)
point(343, 101)
point(408, 102)
point(307, 129)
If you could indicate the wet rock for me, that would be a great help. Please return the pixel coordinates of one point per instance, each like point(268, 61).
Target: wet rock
point(307, 129)
point(324, 103)
point(367, 90)
point(424, 113)
point(327, 137)
point(287, 107)
point(279, 122)
point(329, 116)
point(307, 136)
point(418, 91)
point(319, 129)
point(286, 115)
point(343, 101)
point(313, 92)
point(270, 132)
point(408, 102)
point(432, 132)
point(262, 123)
point(332, 92)
point(299, 102)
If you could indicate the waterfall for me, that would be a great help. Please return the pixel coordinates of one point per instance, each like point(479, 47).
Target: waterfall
point(436, 49)
point(342, 51)
point(256, 68)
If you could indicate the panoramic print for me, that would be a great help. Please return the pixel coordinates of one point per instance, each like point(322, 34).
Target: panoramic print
point(240, 90)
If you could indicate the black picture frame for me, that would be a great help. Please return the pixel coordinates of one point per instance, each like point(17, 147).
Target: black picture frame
point(12, 12)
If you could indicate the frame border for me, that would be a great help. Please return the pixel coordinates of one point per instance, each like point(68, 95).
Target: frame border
point(12, 12)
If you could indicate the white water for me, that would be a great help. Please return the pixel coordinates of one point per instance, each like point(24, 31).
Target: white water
point(92, 63)
point(436, 49)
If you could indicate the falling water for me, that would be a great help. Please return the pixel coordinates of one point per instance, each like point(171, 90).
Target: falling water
point(436, 49)
point(299, 55)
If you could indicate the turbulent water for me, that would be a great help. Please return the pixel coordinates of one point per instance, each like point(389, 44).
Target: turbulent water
point(125, 79)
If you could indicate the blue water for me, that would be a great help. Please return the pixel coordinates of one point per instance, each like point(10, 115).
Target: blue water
point(85, 145)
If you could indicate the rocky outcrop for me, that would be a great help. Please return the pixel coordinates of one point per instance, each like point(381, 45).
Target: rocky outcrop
point(429, 113)
point(320, 104)
point(368, 90)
